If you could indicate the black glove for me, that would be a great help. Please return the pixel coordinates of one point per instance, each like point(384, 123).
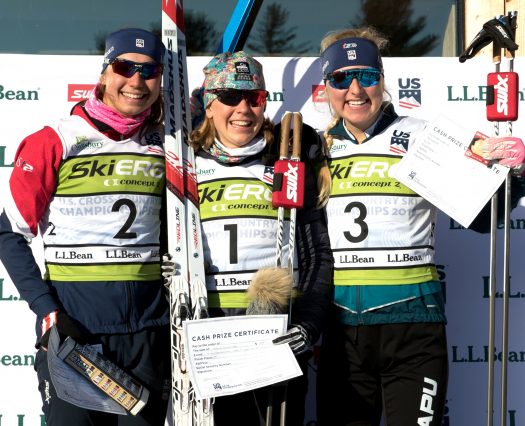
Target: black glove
point(65, 325)
point(501, 32)
point(297, 337)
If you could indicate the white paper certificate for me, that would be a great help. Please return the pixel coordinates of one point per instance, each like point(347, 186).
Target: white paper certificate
point(236, 354)
point(436, 168)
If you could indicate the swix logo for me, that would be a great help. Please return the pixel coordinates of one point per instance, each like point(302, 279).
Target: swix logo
point(503, 94)
point(79, 92)
point(502, 31)
point(427, 398)
point(399, 142)
point(236, 191)
point(318, 93)
point(93, 168)
point(409, 93)
point(292, 182)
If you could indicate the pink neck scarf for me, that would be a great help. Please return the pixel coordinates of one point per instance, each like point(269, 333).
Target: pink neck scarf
point(122, 124)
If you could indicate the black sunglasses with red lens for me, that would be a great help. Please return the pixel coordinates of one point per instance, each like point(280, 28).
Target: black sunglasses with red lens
point(147, 70)
point(233, 97)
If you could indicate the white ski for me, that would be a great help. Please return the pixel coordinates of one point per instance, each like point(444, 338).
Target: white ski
point(188, 299)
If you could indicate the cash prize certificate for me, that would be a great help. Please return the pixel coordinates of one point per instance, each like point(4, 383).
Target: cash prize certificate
point(236, 354)
point(441, 168)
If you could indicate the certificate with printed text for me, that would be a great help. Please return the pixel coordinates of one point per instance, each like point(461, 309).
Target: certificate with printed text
point(236, 354)
point(441, 168)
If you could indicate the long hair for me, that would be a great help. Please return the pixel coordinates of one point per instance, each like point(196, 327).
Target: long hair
point(369, 33)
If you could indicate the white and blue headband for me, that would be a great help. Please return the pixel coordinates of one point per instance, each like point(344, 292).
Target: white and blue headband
point(350, 51)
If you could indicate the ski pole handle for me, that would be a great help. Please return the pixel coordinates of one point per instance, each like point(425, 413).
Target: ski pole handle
point(288, 174)
point(286, 121)
point(297, 135)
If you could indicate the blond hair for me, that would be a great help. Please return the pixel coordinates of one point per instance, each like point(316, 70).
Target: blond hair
point(369, 33)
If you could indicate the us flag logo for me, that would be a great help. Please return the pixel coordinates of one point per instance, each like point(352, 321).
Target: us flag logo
point(268, 175)
point(409, 93)
point(399, 142)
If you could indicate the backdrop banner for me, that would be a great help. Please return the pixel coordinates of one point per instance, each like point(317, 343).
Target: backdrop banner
point(36, 89)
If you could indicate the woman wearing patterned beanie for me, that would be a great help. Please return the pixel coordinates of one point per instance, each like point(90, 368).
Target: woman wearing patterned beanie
point(236, 148)
point(93, 184)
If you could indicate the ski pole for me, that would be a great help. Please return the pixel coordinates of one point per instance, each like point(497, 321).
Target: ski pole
point(288, 193)
point(506, 247)
point(502, 105)
point(502, 92)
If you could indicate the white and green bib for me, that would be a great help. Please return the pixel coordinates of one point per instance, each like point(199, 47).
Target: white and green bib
point(239, 227)
point(104, 218)
point(381, 232)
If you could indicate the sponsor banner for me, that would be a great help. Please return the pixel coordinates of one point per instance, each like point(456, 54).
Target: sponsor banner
point(420, 87)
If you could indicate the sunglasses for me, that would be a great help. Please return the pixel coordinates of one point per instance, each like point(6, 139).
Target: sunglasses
point(366, 77)
point(147, 70)
point(233, 97)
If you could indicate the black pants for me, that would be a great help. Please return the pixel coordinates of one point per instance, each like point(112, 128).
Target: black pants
point(399, 368)
point(250, 408)
point(145, 355)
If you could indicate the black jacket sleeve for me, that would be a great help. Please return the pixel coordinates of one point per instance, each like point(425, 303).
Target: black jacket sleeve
point(313, 245)
point(19, 262)
point(482, 222)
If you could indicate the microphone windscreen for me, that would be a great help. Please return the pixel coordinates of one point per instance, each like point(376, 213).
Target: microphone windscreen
point(269, 292)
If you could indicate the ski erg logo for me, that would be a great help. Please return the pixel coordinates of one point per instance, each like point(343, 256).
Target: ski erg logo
point(409, 93)
point(399, 142)
point(360, 169)
point(427, 397)
point(234, 192)
point(126, 167)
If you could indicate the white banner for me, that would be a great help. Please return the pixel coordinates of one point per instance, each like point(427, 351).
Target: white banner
point(35, 89)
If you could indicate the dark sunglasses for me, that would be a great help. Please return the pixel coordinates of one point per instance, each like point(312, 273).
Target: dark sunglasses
point(366, 77)
point(147, 70)
point(233, 97)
